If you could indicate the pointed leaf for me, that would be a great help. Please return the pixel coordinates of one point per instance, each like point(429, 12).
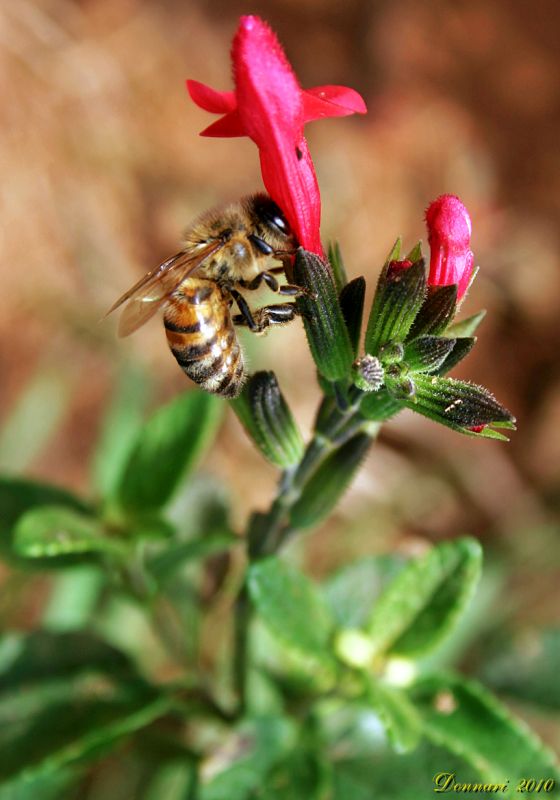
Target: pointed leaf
point(426, 599)
point(397, 713)
point(266, 417)
point(463, 717)
point(324, 324)
point(436, 313)
point(167, 448)
point(462, 348)
point(323, 491)
point(399, 296)
point(292, 607)
point(51, 531)
point(458, 404)
point(337, 265)
point(352, 304)
point(165, 564)
point(466, 327)
point(427, 353)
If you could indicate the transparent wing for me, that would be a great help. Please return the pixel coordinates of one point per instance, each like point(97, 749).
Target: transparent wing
point(151, 291)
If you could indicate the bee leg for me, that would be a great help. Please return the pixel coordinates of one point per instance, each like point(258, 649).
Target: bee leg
point(277, 314)
point(246, 316)
point(285, 289)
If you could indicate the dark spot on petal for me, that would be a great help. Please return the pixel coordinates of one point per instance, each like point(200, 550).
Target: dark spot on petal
point(299, 154)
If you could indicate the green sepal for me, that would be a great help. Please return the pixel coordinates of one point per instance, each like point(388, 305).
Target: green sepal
point(352, 304)
point(463, 346)
point(323, 491)
point(427, 353)
point(416, 252)
point(337, 264)
point(459, 405)
point(323, 321)
point(379, 406)
point(436, 313)
point(266, 417)
point(399, 296)
point(466, 327)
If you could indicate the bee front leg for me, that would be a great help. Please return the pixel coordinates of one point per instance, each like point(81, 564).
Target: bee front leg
point(284, 289)
point(277, 314)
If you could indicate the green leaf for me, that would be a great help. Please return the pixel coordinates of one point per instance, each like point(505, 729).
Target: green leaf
point(465, 327)
point(458, 405)
point(325, 488)
point(399, 716)
point(18, 496)
point(527, 669)
point(399, 296)
point(380, 406)
point(352, 591)
point(324, 324)
point(436, 312)
point(427, 353)
point(247, 758)
point(266, 417)
point(120, 428)
point(167, 449)
point(337, 265)
point(352, 304)
point(463, 717)
point(66, 733)
point(425, 601)
point(164, 565)
point(50, 531)
point(292, 607)
point(462, 348)
point(40, 656)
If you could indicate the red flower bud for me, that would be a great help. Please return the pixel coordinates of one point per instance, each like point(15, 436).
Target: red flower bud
point(270, 107)
point(449, 236)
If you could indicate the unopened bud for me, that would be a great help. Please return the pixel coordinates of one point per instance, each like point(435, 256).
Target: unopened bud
point(449, 235)
point(367, 373)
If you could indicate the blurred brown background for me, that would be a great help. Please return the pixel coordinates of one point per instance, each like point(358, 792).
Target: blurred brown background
point(102, 168)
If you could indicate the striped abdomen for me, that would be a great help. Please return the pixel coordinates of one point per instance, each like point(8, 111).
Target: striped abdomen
point(202, 338)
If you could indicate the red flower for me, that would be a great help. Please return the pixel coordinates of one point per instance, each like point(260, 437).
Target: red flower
point(270, 107)
point(449, 235)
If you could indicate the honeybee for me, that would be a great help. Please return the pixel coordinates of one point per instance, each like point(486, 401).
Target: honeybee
point(227, 248)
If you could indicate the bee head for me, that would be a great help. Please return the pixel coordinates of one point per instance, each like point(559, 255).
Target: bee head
point(271, 222)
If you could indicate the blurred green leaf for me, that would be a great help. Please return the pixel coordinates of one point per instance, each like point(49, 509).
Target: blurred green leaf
point(51, 787)
point(35, 417)
point(165, 564)
point(352, 591)
point(465, 327)
point(267, 418)
point(18, 495)
point(426, 599)
point(466, 719)
point(436, 312)
point(74, 597)
point(66, 733)
point(398, 714)
point(325, 488)
point(44, 656)
point(120, 428)
point(292, 607)
point(527, 669)
point(324, 324)
point(427, 353)
point(351, 300)
point(304, 775)
point(167, 448)
point(50, 531)
point(247, 759)
point(398, 298)
point(459, 405)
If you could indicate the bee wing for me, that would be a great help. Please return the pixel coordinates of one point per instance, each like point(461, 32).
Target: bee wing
point(151, 291)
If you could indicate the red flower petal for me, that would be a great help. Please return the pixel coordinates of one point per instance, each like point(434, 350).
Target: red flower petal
point(331, 101)
point(230, 125)
point(209, 99)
